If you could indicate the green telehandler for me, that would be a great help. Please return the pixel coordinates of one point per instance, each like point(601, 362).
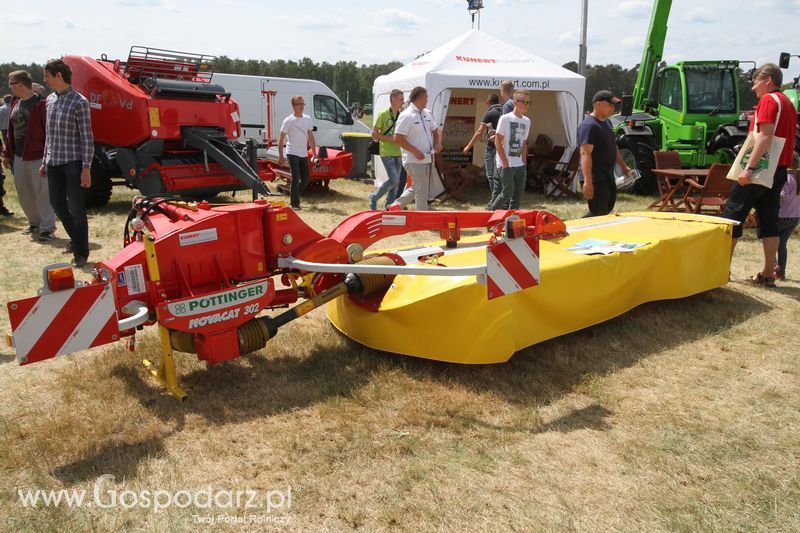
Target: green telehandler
point(793, 93)
point(691, 107)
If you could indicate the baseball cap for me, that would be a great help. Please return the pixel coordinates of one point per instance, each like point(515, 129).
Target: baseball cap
point(607, 96)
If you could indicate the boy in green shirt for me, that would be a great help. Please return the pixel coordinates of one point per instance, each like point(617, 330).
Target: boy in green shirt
point(383, 131)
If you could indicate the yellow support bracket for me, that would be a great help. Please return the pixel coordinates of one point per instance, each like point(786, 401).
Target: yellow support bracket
point(308, 283)
point(166, 368)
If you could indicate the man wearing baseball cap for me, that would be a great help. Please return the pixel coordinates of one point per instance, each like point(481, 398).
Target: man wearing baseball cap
point(599, 153)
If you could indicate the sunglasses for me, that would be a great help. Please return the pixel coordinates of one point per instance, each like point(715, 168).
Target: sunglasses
point(301, 103)
point(526, 102)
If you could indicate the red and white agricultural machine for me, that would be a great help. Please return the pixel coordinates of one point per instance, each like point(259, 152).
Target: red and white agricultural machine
point(162, 126)
point(205, 274)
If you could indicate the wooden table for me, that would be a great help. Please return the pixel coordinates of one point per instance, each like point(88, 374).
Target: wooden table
point(675, 178)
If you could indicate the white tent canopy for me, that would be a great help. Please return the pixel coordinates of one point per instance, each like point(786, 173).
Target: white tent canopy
point(475, 63)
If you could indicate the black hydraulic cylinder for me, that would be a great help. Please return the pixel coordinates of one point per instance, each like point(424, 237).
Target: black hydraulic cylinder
point(220, 149)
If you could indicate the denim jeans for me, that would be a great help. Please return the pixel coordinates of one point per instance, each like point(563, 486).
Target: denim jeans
point(394, 166)
point(299, 167)
point(513, 180)
point(402, 183)
point(492, 174)
point(66, 197)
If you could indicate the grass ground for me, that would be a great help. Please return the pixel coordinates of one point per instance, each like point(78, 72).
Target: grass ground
point(679, 415)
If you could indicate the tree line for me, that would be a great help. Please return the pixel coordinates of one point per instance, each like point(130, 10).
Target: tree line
point(350, 81)
point(353, 82)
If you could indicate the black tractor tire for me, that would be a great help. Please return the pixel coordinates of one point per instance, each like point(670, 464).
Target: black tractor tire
point(726, 156)
point(99, 193)
point(638, 154)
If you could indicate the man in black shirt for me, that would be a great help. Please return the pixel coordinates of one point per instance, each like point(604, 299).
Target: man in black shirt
point(599, 153)
point(488, 127)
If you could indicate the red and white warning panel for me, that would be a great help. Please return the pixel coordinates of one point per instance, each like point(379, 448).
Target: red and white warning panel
point(512, 265)
point(62, 322)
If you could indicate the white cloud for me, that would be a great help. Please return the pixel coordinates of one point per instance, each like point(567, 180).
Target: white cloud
point(701, 15)
point(171, 7)
point(397, 18)
point(569, 37)
point(634, 41)
point(139, 3)
point(633, 8)
point(24, 20)
point(320, 23)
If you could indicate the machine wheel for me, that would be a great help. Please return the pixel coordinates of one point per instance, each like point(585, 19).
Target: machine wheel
point(639, 155)
point(726, 156)
point(99, 193)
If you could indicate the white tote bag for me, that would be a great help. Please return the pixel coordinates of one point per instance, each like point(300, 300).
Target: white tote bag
point(766, 166)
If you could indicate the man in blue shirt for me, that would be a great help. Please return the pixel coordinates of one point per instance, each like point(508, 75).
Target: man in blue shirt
point(599, 153)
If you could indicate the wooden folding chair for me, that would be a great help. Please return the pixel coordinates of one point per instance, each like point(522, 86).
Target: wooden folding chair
point(708, 197)
point(560, 179)
point(666, 159)
point(537, 163)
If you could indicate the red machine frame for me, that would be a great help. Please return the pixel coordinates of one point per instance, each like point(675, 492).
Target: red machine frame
point(204, 274)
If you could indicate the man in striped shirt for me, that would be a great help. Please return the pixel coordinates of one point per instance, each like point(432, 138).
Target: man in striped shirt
point(68, 153)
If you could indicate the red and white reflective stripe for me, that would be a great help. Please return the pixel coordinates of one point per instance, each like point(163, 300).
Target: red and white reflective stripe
point(512, 266)
point(63, 322)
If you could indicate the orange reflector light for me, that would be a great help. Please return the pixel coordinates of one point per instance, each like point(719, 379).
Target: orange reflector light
point(60, 278)
point(515, 228)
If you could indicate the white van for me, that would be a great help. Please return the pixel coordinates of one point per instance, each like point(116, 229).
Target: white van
point(265, 101)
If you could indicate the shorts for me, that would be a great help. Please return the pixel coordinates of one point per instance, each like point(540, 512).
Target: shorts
point(767, 203)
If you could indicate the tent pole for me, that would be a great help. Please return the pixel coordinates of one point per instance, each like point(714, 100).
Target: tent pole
point(582, 45)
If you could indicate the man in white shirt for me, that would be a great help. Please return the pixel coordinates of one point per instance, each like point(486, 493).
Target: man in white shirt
point(417, 135)
point(297, 129)
point(511, 141)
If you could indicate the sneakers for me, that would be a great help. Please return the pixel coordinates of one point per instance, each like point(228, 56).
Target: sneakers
point(5, 212)
point(296, 207)
point(79, 261)
point(68, 249)
point(373, 202)
point(30, 230)
point(45, 236)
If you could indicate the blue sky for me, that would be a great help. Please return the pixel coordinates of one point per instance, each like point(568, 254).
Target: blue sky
point(378, 31)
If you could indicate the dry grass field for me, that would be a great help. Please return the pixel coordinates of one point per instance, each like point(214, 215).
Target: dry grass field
point(679, 415)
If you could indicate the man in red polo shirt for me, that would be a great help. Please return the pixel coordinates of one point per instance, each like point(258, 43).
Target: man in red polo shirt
point(746, 195)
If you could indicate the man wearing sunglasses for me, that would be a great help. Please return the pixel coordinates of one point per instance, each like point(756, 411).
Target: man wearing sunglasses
point(599, 154)
point(511, 141)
